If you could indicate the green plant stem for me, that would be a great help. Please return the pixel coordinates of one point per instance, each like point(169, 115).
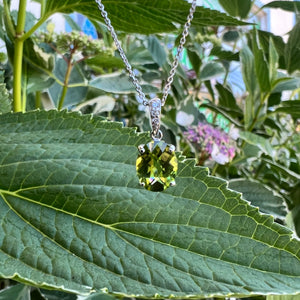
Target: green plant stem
point(10, 26)
point(65, 87)
point(18, 57)
point(38, 100)
point(43, 6)
point(214, 170)
point(24, 88)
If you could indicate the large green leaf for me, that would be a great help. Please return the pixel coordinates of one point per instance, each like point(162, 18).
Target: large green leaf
point(143, 16)
point(73, 217)
point(257, 140)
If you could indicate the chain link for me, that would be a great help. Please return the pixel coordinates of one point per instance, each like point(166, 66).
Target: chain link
point(182, 41)
point(132, 76)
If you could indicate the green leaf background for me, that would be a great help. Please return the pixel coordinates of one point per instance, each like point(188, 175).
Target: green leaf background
point(74, 218)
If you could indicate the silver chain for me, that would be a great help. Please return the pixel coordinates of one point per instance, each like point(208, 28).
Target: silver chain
point(132, 76)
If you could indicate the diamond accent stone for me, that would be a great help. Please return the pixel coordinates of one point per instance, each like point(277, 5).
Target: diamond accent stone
point(157, 165)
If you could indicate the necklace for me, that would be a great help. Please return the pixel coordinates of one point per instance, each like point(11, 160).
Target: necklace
point(156, 163)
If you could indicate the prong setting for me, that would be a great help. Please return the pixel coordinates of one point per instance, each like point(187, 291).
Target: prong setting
point(172, 149)
point(141, 149)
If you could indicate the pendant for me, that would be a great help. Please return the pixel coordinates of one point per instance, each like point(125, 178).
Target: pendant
point(157, 163)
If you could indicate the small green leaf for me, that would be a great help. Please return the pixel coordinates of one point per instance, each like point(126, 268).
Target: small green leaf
point(265, 37)
point(222, 111)
point(273, 62)
point(237, 8)
point(228, 101)
point(101, 296)
point(99, 62)
point(74, 218)
point(292, 6)
point(5, 101)
point(291, 107)
point(224, 54)
point(72, 23)
point(119, 84)
point(248, 69)
point(282, 169)
point(261, 196)
point(57, 295)
point(17, 292)
point(231, 36)
point(101, 104)
point(140, 56)
point(292, 51)
point(151, 76)
point(285, 84)
point(157, 50)
point(250, 80)
point(195, 59)
point(257, 140)
point(261, 65)
point(211, 70)
point(296, 218)
point(36, 57)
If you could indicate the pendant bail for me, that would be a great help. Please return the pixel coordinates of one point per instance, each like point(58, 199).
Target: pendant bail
point(155, 112)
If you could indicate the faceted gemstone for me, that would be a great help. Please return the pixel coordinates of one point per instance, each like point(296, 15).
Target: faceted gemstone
point(157, 165)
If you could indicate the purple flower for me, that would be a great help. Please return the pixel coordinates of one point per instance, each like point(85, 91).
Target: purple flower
point(212, 142)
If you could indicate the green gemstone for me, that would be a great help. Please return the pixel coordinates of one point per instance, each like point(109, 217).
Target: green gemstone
point(157, 165)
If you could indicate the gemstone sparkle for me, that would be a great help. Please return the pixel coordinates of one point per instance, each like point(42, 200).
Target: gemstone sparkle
point(157, 165)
